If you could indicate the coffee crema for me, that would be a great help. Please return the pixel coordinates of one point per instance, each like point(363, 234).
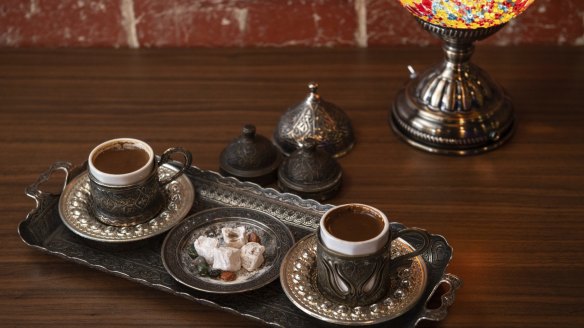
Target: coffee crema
point(121, 161)
point(354, 225)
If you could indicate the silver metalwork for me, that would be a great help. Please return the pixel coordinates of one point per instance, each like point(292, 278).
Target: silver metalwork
point(317, 119)
point(76, 212)
point(274, 235)
point(454, 107)
point(130, 205)
point(310, 172)
point(126, 206)
point(362, 280)
point(299, 280)
point(43, 229)
point(251, 157)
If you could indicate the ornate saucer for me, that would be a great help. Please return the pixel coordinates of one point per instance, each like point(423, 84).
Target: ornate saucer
point(74, 209)
point(298, 278)
point(274, 234)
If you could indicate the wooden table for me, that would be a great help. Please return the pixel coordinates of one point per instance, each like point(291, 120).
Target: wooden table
point(515, 216)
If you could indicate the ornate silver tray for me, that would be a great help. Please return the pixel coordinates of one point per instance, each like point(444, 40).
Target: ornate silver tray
point(43, 229)
point(273, 233)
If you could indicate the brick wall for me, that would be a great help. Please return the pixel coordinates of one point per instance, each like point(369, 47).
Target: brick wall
point(263, 23)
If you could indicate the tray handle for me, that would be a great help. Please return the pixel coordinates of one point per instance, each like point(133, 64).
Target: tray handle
point(34, 190)
point(447, 299)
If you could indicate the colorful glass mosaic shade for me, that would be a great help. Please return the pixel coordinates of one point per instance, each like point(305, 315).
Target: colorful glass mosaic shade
point(466, 14)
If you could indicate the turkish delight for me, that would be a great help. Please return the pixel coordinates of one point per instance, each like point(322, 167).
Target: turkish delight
point(205, 247)
point(227, 259)
point(252, 256)
point(234, 237)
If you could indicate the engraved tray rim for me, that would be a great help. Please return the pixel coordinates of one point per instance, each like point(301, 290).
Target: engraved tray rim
point(40, 227)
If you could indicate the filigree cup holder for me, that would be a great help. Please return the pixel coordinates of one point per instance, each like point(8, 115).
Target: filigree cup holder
point(454, 107)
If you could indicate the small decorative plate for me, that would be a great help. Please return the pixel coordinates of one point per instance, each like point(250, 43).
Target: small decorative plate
point(298, 278)
point(274, 235)
point(74, 209)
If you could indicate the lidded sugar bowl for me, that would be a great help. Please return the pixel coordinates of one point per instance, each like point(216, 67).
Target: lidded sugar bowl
point(318, 119)
point(310, 172)
point(251, 157)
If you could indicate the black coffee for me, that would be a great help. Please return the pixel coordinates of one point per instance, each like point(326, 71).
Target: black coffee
point(120, 161)
point(353, 224)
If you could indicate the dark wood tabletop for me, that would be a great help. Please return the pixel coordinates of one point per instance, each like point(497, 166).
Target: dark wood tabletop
point(514, 216)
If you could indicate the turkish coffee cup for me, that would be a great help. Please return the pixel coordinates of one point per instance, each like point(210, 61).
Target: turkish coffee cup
point(124, 183)
point(353, 256)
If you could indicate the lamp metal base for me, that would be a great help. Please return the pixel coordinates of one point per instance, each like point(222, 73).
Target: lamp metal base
point(454, 108)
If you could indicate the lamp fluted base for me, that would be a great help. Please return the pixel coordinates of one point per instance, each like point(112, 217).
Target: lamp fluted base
point(454, 108)
point(472, 132)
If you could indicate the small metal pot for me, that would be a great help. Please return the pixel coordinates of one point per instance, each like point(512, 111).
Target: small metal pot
point(310, 172)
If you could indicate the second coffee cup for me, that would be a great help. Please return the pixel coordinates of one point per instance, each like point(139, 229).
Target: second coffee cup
point(124, 183)
point(353, 257)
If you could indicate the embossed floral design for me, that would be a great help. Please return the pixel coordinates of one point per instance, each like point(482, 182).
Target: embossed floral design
point(299, 274)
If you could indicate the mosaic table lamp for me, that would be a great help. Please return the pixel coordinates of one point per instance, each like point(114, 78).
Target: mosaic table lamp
point(455, 107)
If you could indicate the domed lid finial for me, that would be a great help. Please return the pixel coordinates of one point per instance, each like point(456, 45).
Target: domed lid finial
point(314, 96)
point(248, 131)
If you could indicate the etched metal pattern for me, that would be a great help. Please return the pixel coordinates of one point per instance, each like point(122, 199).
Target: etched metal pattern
point(299, 281)
point(275, 237)
point(350, 280)
point(323, 122)
point(311, 169)
point(126, 206)
point(362, 280)
point(289, 208)
point(75, 209)
point(316, 119)
point(250, 152)
point(43, 229)
point(310, 172)
point(250, 157)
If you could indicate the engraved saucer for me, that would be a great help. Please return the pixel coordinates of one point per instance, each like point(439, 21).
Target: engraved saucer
point(298, 278)
point(275, 236)
point(74, 209)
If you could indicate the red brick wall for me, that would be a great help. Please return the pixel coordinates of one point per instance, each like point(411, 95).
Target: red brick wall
point(263, 23)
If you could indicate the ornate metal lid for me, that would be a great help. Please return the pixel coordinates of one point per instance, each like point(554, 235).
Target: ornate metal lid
point(310, 172)
point(318, 119)
point(251, 157)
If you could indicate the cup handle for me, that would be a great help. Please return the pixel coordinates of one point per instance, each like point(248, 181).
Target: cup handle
point(165, 158)
point(424, 236)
